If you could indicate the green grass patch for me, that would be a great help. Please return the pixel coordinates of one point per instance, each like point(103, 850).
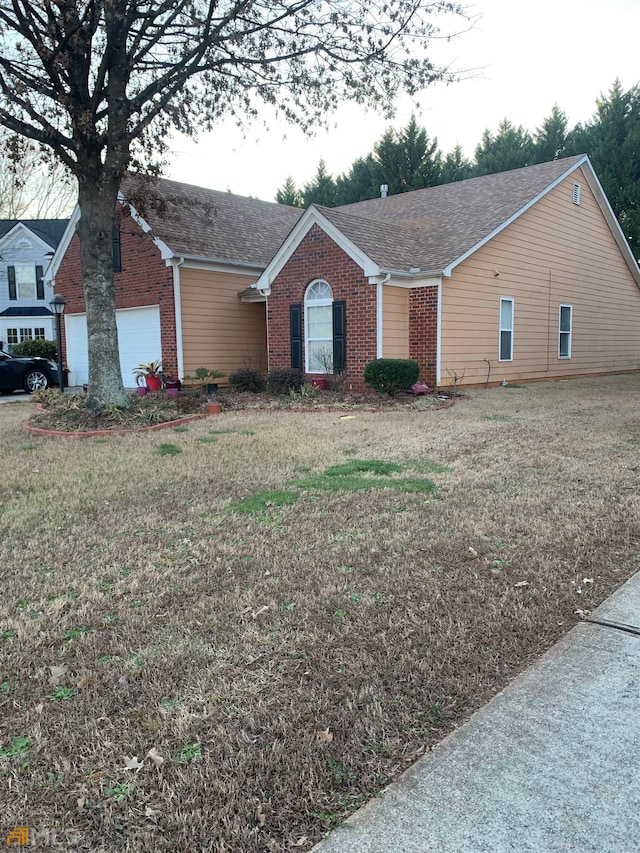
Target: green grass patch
point(363, 466)
point(18, 746)
point(264, 501)
point(167, 449)
point(207, 439)
point(353, 483)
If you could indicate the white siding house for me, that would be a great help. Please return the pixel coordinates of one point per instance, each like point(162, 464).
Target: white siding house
point(26, 247)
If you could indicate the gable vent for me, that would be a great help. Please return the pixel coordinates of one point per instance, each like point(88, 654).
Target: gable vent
point(576, 193)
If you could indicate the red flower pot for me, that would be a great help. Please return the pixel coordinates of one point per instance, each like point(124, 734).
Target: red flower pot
point(214, 408)
point(154, 383)
point(319, 382)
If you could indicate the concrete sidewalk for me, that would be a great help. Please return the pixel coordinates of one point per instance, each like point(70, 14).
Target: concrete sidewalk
point(552, 763)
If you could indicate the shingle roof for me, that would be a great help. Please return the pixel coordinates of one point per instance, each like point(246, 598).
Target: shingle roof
point(39, 311)
point(49, 230)
point(431, 228)
point(204, 223)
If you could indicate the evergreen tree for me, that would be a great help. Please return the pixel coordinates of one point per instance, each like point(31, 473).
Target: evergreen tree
point(612, 141)
point(361, 182)
point(289, 194)
point(322, 189)
point(455, 167)
point(549, 141)
point(510, 148)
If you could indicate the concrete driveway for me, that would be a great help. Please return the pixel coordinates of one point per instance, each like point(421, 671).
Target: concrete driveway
point(550, 764)
point(14, 398)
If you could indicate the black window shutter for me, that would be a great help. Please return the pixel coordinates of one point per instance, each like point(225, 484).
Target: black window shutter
point(339, 336)
point(39, 283)
point(117, 259)
point(12, 282)
point(295, 326)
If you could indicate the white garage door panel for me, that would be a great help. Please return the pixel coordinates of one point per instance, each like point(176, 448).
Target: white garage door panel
point(138, 340)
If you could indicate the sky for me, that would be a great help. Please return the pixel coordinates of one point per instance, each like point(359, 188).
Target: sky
point(516, 61)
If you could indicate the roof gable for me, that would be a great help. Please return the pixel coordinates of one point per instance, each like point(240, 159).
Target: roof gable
point(429, 232)
point(48, 232)
point(204, 224)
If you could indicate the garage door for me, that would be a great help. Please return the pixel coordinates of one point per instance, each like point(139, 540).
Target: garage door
point(138, 339)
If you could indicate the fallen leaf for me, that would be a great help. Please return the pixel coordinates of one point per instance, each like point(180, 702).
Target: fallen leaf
point(149, 812)
point(57, 674)
point(473, 552)
point(302, 840)
point(87, 681)
point(587, 580)
point(522, 583)
point(81, 801)
point(582, 613)
point(257, 613)
point(133, 763)
point(123, 682)
point(347, 417)
point(39, 707)
point(155, 756)
point(260, 815)
point(324, 734)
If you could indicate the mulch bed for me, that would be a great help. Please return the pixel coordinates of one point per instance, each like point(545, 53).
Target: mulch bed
point(67, 414)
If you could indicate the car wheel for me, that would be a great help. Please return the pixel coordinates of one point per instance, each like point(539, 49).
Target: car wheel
point(35, 380)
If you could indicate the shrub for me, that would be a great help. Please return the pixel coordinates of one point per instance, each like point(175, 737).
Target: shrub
point(247, 379)
point(282, 380)
point(391, 375)
point(36, 349)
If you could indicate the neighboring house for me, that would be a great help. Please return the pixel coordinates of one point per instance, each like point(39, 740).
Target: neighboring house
point(516, 276)
point(26, 247)
point(183, 259)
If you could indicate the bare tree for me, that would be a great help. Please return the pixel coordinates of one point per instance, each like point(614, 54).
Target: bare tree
point(32, 186)
point(102, 82)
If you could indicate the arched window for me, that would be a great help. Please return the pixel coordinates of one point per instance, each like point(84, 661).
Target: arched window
point(318, 322)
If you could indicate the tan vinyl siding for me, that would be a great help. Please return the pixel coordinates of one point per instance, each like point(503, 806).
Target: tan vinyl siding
point(218, 330)
point(555, 253)
point(395, 322)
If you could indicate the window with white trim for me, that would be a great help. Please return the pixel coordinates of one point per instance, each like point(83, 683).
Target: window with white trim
point(506, 330)
point(565, 323)
point(318, 324)
point(26, 281)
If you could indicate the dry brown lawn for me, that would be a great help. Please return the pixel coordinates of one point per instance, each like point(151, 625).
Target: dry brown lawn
point(272, 671)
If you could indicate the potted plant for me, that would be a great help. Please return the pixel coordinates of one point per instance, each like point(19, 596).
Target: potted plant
point(150, 374)
point(204, 377)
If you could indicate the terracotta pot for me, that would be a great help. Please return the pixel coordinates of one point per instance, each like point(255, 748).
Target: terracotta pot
point(214, 408)
point(154, 383)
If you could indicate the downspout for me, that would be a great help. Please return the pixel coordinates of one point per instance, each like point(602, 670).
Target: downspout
point(379, 287)
point(177, 305)
point(549, 325)
point(439, 335)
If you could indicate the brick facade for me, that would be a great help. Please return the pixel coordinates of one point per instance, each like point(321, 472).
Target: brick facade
point(423, 331)
point(318, 257)
point(144, 280)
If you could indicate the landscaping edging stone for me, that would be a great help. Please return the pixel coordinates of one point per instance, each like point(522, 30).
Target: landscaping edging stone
point(34, 430)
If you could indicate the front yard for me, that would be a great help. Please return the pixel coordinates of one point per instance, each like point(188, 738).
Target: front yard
point(230, 635)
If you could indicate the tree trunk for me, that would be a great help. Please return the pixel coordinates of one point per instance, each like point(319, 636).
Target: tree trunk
point(97, 202)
